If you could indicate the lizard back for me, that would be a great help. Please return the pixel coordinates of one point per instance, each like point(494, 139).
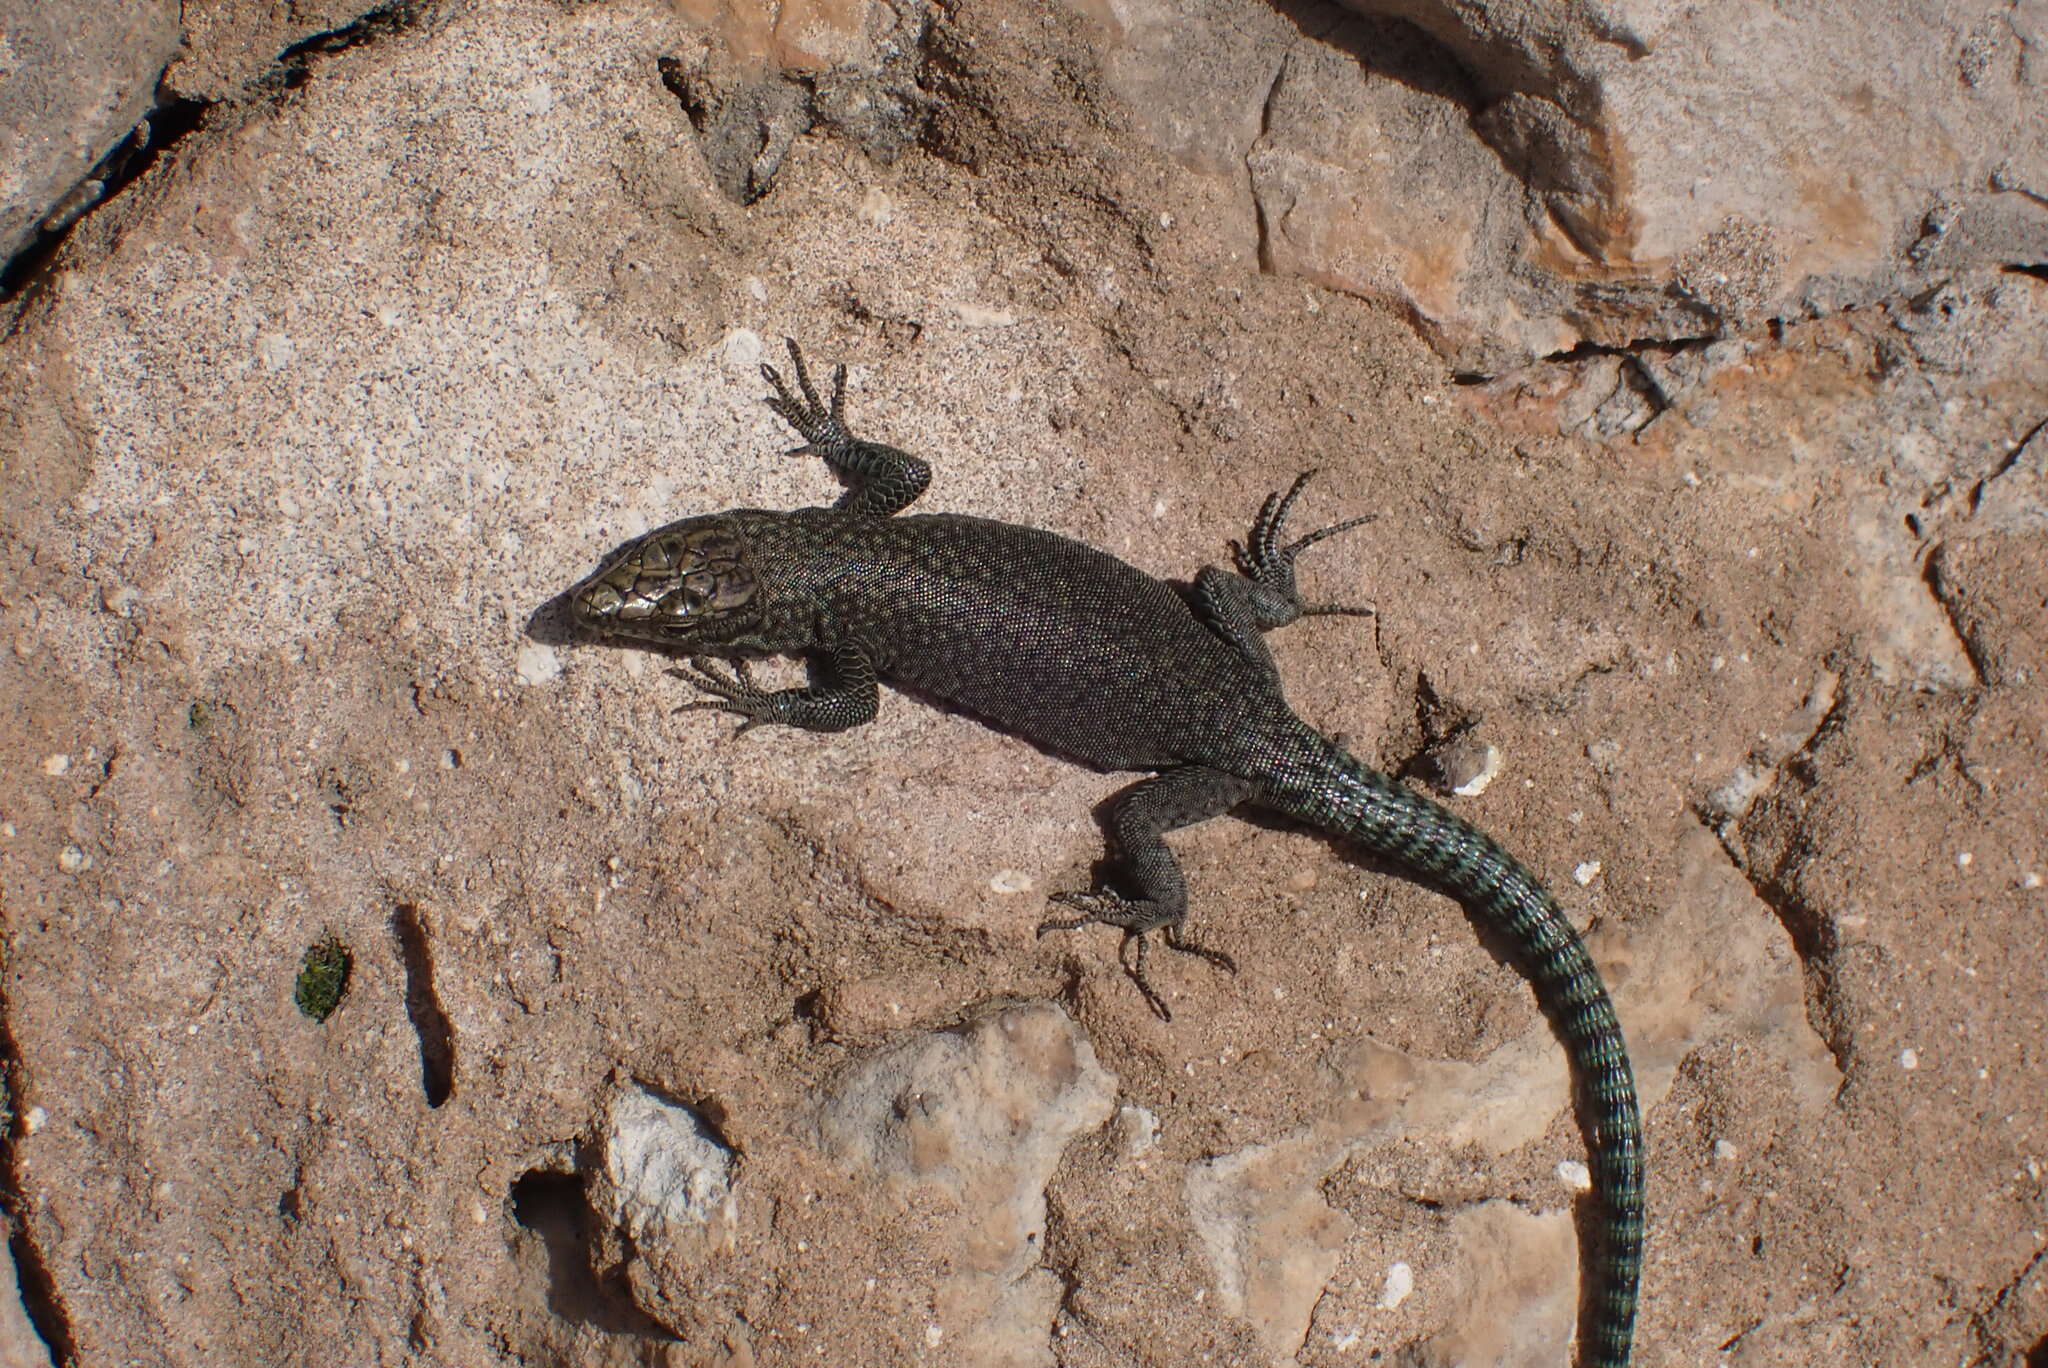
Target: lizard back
point(1048, 638)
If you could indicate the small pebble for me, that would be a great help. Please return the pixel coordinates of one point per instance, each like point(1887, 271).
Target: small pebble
point(537, 664)
point(741, 349)
point(1400, 1282)
point(1464, 766)
point(876, 207)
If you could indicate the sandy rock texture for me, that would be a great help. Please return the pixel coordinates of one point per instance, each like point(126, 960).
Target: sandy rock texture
point(1694, 359)
point(1524, 178)
point(74, 86)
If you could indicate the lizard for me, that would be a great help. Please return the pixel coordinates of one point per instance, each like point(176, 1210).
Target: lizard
point(1088, 657)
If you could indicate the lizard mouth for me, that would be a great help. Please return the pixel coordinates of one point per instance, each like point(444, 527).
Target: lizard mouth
point(669, 585)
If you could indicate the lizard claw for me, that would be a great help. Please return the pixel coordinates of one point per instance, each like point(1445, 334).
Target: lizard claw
point(823, 428)
point(732, 692)
point(1137, 919)
point(1105, 907)
point(1175, 941)
point(728, 684)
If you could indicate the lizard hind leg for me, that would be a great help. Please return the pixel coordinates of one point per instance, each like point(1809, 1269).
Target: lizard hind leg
point(1267, 561)
point(1138, 819)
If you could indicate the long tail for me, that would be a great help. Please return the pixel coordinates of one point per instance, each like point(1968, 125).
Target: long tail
point(1332, 791)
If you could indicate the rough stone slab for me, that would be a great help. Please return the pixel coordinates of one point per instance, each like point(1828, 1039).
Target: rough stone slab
point(74, 81)
point(1523, 177)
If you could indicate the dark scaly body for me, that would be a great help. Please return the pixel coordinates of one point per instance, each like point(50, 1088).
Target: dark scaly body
point(1091, 658)
point(921, 591)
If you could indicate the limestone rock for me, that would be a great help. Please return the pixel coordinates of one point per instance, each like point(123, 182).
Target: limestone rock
point(1506, 1251)
point(1273, 1242)
point(965, 1127)
point(1522, 177)
point(666, 1176)
point(74, 82)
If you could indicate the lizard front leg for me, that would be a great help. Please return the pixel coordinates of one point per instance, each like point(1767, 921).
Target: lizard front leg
point(879, 479)
point(841, 692)
point(1138, 820)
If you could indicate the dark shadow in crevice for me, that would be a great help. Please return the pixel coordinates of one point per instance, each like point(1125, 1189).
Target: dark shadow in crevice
point(294, 65)
point(1662, 346)
point(39, 1298)
point(159, 130)
point(1950, 597)
point(423, 1006)
point(1393, 48)
point(169, 121)
point(553, 1207)
point(1814, 940)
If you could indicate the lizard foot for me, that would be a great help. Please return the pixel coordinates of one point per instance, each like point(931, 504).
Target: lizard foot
point(822, 428)
point(732, 692)
point(1137, 920)
point(1263, 558)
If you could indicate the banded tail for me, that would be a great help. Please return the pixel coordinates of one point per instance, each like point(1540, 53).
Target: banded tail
point(1334, 792)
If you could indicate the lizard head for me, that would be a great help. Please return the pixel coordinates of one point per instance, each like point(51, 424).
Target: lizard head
point(683, 584)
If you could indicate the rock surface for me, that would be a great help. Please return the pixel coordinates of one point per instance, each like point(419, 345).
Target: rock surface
point(74, 83)
point(957, 1134)
point(1523, 178)
point(304, 429)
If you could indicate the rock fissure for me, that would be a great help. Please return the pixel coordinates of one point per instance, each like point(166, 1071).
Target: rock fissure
point(170, 121)
point(161, 129)
point(423, 1006)
point(40, 1299)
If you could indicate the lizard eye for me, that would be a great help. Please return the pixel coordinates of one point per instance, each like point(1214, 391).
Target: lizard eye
point(732, 588)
